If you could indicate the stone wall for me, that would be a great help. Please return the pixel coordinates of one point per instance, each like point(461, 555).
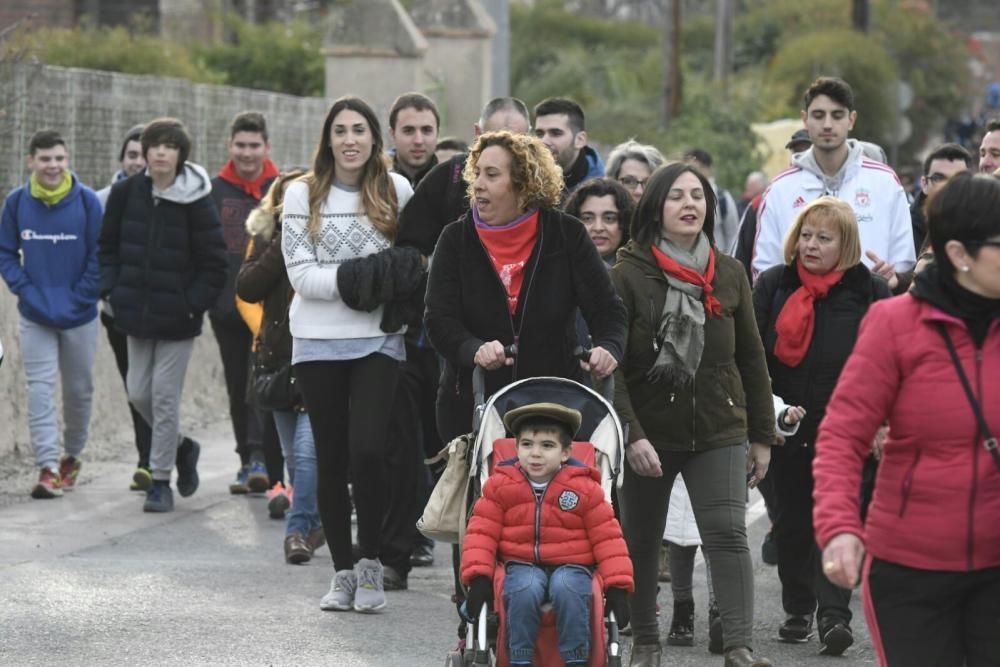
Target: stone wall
point(93, 110)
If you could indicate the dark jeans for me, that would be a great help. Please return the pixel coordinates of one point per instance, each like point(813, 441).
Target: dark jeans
point(413, 432)
point(346, 401)
point(119, 345)
point(924, 617)
point(526, 587)
point(804, 587)
point(234, 340)
point(716, 482)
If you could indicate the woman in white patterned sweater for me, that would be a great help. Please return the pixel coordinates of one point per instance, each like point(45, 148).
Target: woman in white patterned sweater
point(345, 208)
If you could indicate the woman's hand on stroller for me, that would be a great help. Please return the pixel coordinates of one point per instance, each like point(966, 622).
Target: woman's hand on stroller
point(492, 355)
point(480, 593)
point(617, 601)
point(600, 363)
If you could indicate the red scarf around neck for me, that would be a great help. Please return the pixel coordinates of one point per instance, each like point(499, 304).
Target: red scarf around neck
point(797, 320)
point(673, 268)
point(509, 248)
point(252, 188)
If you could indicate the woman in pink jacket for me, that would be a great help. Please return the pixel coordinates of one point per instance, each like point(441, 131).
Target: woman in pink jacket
point(928, 363)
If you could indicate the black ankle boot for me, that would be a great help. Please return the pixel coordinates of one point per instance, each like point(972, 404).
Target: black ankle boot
point(682, 624)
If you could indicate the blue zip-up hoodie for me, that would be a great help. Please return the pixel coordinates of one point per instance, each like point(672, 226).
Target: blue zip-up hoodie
point(48, 255)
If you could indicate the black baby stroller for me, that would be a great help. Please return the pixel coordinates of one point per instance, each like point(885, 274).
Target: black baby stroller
point(600, 444)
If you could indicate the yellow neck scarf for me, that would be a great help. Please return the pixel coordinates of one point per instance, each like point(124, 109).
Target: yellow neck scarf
point(51, 197)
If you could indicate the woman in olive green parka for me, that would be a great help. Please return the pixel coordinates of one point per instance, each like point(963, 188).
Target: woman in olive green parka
point(692, 390)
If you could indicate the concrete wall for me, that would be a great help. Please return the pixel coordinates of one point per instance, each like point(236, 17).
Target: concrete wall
point(377, 78)
point(377, 50)
point(460, 92)
point(93, 110)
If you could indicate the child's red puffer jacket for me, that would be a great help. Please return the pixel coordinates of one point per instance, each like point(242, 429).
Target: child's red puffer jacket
point(572, 524)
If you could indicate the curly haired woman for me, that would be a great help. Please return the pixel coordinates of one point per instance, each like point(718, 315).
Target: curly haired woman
point(513, 270)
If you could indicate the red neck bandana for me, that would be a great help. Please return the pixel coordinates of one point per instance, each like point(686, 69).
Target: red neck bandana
point(797, 320)
point(672, 268)
point(252, 188)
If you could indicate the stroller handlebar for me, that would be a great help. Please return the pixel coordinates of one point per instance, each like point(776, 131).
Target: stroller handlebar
point(479, 382)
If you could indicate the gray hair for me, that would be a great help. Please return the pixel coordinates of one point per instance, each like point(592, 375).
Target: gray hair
point(632, 150)
point(498, 104)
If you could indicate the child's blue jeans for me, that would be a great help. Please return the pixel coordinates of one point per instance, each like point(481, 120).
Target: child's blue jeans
point(568, 587)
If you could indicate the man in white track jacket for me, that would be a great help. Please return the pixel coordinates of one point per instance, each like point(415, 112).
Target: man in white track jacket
point(836, 165)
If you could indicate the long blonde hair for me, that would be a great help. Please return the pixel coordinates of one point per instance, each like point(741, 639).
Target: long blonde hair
point(378, 194)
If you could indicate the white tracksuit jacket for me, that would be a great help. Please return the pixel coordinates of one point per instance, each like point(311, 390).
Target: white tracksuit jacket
point(871, 188)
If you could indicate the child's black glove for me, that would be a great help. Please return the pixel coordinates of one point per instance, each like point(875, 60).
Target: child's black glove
point(480, 593)
point(617, 601)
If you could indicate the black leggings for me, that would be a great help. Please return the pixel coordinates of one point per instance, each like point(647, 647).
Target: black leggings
point(348, 403)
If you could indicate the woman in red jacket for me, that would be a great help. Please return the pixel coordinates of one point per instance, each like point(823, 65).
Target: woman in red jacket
point(926, 362)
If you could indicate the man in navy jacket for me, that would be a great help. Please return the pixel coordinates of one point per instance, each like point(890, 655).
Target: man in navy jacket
point(48, 258)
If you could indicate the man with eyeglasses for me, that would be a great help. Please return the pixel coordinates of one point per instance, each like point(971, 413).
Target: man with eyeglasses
point(943, 162)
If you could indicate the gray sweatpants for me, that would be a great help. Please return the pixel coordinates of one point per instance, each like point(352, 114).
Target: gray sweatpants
point(716, 481)
point(156, 370)
point(58, 355)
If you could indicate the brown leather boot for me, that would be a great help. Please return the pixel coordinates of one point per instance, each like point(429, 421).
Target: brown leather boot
point(742, 657)
point(645, 655)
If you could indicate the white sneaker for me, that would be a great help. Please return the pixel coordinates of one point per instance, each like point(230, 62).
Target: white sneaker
point(341, 595)
point(370, 594)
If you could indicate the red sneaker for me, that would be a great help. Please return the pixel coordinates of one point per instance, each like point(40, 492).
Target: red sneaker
point(49, 485)
point(69, 469)
point(278, 501)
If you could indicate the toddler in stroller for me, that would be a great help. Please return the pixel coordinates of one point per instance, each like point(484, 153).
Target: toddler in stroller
point(543, 518)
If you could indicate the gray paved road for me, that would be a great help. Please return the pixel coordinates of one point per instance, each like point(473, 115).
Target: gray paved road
point(90, 580)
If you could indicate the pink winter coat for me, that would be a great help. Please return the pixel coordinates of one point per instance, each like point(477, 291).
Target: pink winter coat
point(937, 495)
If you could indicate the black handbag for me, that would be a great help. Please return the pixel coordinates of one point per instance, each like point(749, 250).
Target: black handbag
point(989, 441)
point(272, 389)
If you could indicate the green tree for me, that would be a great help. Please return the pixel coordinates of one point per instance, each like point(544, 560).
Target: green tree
point(933, 61)
point(285, 58)
point(844, 53)
point(117, 49)
point(923, 52)
point(614, 70)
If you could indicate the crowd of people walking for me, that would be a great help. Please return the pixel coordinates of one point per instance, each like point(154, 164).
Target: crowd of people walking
point(822, 340)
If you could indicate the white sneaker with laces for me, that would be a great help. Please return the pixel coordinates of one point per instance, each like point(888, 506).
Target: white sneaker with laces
point(369, 598)
point(341, 595)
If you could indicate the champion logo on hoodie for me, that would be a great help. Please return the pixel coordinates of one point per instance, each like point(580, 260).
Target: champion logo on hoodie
point(32, 235)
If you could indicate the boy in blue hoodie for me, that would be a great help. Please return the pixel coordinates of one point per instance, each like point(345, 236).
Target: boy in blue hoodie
point(48, 258)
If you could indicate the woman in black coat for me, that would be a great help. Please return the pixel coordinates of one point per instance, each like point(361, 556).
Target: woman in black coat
point(808, 312)
point(513, 271)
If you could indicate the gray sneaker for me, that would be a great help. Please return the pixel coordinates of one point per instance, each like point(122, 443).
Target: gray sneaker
point(370, 596)
point(341, 595)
